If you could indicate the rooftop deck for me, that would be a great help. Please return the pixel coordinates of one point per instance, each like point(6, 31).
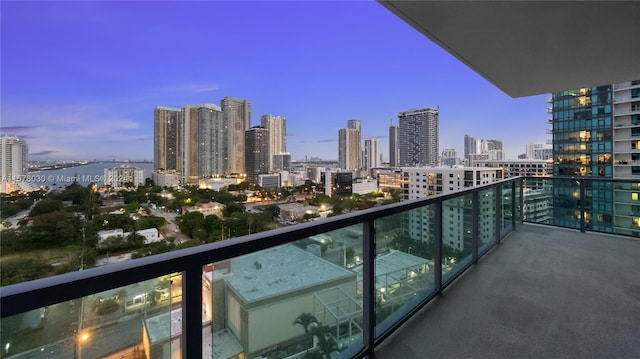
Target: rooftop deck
point(544, 292)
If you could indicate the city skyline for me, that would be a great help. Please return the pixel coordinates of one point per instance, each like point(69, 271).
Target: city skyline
point(93, 95)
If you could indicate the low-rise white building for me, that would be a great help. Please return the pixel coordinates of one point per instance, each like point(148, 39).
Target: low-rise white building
point(166, 178)
point(207, 209)
point(456, 214)
point(520, 167)
point(150, 235)
point(117, 177)
point(363, 186)
point(296, 211)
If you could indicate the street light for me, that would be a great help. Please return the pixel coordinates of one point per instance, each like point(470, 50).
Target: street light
point(82, 338)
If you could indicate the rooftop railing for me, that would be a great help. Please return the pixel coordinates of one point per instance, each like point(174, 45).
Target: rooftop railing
point(339, 285)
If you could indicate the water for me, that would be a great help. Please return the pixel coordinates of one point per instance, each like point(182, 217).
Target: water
point(84, 175)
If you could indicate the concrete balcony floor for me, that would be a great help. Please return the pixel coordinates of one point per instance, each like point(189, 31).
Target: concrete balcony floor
point(544, 292)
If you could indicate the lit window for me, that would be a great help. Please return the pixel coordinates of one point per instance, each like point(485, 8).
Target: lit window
point(634, 196)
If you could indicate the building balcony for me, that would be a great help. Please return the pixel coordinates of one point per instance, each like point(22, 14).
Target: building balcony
point(545, 292)
point(353, 285)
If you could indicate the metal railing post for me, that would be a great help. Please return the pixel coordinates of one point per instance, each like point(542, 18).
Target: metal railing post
point(583, 207)
point(192, 312)
point(475, 223)
point(521, 203)
point(498, 213)
point(514, 211)
point(437, 250)
point(369, 287)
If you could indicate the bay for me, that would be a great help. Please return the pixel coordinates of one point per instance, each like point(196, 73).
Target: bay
point(84, 175)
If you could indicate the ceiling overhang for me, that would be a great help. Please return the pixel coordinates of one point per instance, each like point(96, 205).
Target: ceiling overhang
point(533, 47)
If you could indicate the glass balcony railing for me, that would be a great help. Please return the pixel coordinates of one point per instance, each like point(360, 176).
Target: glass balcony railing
point(588, 204)
point(336, 287)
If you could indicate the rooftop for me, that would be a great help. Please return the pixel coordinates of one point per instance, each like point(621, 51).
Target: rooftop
point(544, 292)
point(277, 271)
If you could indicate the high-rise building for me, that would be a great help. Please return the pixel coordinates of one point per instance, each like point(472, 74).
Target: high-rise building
point(418, 137)
point(167, 138)
point(277, 127)
point(394, 149)
point(237, 118)
point(583, 147)
point(349, 149)
point(531, 150)
point(594, 132)
point(13, 162)
point(257, 152)
point(371, 154)
point(450, 157)
point(354, 124)
point(203, 139)
point(469, 146)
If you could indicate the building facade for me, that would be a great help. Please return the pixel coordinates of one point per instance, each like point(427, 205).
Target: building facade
point(167, 138)
point(371, 154)
point(349, 149)
point(418, 137)
point(394, 149)
point(457, 216)
point(14, 163)
point(257, 152)
point(237, 118)
point(277, 127)
point(118, 177)
point(204, 143)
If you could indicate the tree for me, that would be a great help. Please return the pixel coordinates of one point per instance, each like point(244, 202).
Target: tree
point(326, 343)
point(189, 221)
point(45, 206)
point(305, 320)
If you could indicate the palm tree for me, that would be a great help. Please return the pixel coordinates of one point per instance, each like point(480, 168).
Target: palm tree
point(326, 343)
point(306, 319)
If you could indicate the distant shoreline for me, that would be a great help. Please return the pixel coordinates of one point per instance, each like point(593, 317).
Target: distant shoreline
point(58, 166)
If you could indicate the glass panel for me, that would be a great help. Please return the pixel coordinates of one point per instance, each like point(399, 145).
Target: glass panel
point(566, 203)
point(487, 220)
point(518, 209)
point(457, 223)
point(538, 200)
point(404, 263)
point(626, 203)
point(507, 209)
point(302, 297)
point(126, 322)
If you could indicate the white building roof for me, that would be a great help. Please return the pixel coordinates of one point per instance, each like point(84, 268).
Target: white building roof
point(280, 270)
point(164, 326)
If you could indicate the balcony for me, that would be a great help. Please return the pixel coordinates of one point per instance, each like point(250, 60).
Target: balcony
point(544, 293)
point(354, 283)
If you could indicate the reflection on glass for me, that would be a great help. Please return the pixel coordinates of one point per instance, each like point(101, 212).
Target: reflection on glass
point(566, 203)
point(487, 220)
point(507, 209)
point(457, 241)
point(303, 297)
point(129, 321)
point(404, 263)
point(538, 201)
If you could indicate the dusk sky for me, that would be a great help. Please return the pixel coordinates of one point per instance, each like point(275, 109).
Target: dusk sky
point(80, 80)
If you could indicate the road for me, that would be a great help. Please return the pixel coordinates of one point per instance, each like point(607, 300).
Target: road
point(101, 342)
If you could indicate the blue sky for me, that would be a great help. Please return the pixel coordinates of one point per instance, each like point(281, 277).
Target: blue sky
point(80, 80)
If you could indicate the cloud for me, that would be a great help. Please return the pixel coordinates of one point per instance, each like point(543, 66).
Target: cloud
point(16, 128)
point(41, 153)
point(82, 131)
point(189, 88)
point(327, 141)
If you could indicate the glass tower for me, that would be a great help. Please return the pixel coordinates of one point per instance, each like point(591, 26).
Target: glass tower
point(583, 147)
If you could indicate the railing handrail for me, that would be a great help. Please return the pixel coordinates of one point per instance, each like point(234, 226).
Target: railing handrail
point(22, 297)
